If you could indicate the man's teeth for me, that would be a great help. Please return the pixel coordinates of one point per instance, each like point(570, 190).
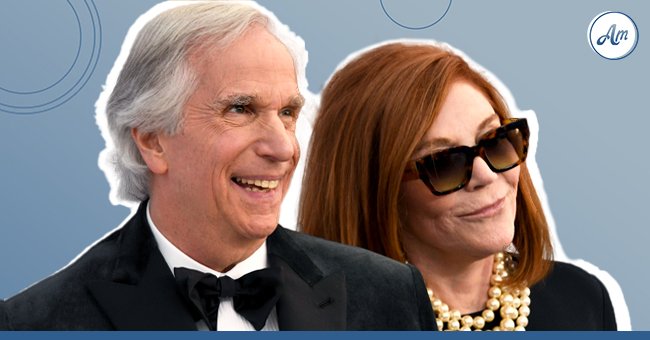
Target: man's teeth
point(259, 185)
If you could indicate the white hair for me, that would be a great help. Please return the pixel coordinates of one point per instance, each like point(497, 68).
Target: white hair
point(152, 79)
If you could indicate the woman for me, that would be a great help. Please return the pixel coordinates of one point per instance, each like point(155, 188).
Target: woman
point(414, 155)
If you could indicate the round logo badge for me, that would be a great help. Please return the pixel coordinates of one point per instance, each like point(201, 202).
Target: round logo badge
point(613, 35)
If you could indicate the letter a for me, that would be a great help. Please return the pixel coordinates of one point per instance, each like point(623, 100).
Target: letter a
point(604, 37)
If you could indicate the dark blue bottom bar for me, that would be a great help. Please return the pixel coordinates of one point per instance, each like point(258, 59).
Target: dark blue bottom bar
point(321, 335)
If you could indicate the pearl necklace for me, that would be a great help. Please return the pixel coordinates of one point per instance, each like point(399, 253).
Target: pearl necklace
point(512, 303)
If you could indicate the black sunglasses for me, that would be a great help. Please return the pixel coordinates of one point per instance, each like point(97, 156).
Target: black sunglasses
point(450, 170)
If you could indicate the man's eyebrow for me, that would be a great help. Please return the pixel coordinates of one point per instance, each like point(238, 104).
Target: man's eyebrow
point(248, 99)
point(235, 99)
point(297, 101)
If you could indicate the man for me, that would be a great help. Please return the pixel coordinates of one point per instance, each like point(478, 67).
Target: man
point(202, 125)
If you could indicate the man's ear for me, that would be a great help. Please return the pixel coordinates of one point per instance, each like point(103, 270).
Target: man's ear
point(151, 150)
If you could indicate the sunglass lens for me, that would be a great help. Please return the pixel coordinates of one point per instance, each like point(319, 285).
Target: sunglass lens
point(507, 150)
point(446, 171)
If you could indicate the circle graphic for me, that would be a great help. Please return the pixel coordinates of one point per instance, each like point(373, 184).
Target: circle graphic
point(86, 39)
point(613, 35)
point(415, 12)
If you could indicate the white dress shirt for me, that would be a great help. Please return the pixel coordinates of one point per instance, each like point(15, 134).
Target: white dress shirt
point(227, 318)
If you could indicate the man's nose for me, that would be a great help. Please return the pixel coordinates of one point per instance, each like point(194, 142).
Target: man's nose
point(276, 141)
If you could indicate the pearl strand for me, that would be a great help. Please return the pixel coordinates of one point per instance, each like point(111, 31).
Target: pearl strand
point(512, 303)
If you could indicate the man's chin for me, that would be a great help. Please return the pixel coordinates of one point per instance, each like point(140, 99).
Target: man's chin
point(262, 228)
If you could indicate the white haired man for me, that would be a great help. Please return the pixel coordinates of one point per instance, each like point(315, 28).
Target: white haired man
point(201, 131)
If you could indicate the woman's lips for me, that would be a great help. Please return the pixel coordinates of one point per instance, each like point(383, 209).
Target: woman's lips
point(486, 211)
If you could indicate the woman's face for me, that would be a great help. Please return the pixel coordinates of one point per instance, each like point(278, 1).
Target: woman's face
point(477, 220)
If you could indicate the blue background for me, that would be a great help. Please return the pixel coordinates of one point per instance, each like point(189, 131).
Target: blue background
point(593, 116)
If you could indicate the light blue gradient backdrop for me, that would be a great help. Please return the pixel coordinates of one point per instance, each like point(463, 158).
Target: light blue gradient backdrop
point(593, 117)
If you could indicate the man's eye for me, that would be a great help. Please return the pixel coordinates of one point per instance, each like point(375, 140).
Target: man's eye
point(290, 112)
point(237, 109)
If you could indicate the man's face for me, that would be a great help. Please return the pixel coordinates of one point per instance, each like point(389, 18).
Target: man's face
point(231, 164)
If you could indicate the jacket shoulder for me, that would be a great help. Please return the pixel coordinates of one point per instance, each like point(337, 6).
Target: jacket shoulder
point(64, 294)
point(333, 256)
point(569, 298)
point(382, 293)
point(570, 281)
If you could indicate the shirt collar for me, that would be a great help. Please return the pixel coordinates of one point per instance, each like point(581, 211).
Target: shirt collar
point(176, 258)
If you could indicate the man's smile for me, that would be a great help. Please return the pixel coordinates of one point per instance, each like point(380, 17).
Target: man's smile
point(256, 185)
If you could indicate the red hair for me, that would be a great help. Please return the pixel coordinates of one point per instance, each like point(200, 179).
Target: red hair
point(373, 113)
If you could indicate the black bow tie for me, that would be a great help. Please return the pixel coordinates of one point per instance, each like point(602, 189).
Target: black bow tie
point(254, 294)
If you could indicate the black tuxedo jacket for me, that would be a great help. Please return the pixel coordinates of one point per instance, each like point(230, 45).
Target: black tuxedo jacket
point(123, 283)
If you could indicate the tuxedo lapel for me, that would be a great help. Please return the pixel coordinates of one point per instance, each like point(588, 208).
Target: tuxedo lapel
point(310, 299)
point(142, 294)
point(152, 304)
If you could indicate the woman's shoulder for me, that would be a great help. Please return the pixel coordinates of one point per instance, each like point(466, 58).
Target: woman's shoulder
point(569, 298)
point(570, 286)
point(571, 278)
